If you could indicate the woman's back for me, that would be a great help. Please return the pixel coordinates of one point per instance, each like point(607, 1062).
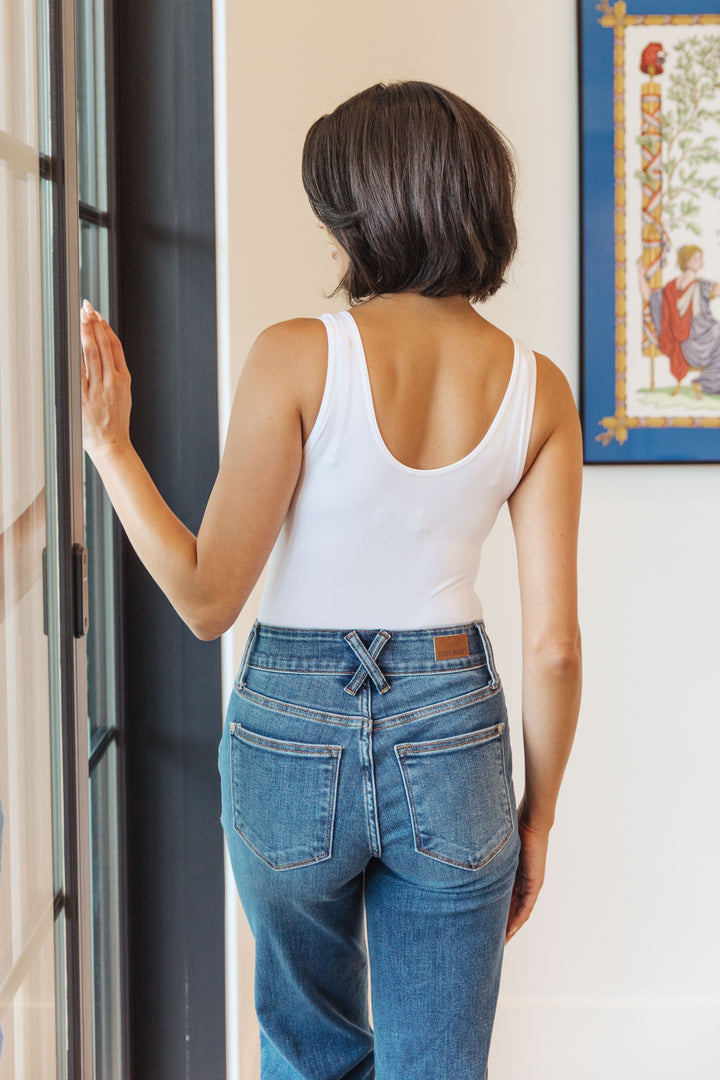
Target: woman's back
point(411, 452)
point(438, 372)
point(437, 376)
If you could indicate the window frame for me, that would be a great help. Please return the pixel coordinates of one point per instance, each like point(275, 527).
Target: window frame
point(76, 899)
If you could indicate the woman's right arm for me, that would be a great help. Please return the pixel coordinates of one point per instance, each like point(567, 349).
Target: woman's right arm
point(645, 289)
point(207, 578)
point(545, 511)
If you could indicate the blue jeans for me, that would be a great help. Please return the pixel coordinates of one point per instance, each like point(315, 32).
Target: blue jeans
point(367, 779)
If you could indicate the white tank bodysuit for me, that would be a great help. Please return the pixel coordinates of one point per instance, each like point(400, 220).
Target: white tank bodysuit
point(369, 542)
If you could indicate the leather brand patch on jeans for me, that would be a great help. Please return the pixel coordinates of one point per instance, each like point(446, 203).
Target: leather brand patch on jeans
point(449, 646)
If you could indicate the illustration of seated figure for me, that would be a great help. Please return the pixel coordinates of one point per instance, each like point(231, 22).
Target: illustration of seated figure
point(688, 333)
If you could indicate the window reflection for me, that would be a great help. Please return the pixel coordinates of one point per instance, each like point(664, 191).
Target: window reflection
point(27, 952)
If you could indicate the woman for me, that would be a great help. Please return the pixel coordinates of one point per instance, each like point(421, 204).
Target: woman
point(365, 760)
point(688, 333)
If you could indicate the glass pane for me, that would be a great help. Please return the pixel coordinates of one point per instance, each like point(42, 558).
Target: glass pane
point(43, 77)
point(94, 265)
point(102, 701)
point(102, 689)
point(92, 149)
point(52, 614)
point(18, 71)
point(29, 1048)
point(27, 954)
point(51, 569)
point(106, 916)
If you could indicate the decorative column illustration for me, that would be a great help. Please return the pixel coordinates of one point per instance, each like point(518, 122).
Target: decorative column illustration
point(651, 63)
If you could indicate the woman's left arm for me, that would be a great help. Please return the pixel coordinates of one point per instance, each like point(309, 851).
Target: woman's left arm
point(207, 578)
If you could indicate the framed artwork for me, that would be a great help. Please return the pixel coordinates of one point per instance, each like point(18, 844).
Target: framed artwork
point(650, 197)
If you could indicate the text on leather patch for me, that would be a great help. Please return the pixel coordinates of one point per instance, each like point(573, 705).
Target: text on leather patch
point(450, 646)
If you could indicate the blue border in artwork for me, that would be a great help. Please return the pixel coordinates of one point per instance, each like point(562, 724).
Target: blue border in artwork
point(597, 264)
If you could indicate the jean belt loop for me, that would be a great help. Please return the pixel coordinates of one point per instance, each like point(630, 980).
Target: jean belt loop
point(240, 680)
point(487, 649)
point(368, 661)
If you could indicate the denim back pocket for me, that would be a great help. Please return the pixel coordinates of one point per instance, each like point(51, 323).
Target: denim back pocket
point(283, 797)
point(458, 794)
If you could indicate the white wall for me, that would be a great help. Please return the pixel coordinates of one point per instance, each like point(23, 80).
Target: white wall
point(618, 972)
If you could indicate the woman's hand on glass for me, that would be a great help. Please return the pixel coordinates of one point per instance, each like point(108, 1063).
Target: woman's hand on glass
point(105, 377)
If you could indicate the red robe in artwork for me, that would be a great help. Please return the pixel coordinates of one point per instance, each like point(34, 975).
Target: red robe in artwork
point(675, 328)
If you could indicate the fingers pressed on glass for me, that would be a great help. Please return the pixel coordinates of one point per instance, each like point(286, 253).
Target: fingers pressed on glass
point(116, 348)
point(93, 360)
point(114, 345)
point(104, 348)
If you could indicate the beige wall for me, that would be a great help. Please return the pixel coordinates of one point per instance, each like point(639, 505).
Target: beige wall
point(618, 972)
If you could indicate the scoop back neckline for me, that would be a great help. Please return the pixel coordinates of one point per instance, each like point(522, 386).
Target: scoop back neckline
point(370, 405)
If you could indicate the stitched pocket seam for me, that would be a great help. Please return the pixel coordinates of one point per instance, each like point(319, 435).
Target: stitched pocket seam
point(401, 752)
point(286, 747)
point(275, 705)
point(451, 742)
point(439, 707)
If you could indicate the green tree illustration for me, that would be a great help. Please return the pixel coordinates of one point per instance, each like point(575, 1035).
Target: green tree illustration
point(693, 88)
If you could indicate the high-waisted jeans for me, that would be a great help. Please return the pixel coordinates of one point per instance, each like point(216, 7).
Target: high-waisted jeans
point(367, 790)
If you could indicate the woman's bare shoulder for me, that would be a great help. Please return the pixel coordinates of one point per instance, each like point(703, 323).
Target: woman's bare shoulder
point(294, 349)
point(292, 339)
point(553, 390)
point(293, 353)
point(555, 408)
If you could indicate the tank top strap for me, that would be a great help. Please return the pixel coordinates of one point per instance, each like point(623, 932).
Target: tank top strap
point(330, 390)
point(513, 436)
point(342, 401)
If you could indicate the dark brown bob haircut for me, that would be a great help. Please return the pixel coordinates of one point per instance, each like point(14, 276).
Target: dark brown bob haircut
point(418, 188)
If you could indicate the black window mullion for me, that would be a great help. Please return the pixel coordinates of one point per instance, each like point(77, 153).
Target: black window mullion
point(97, 752)
point(94, 216)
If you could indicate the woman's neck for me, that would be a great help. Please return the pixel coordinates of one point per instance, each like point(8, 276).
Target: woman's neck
point(685, 279)
point(412, 304)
